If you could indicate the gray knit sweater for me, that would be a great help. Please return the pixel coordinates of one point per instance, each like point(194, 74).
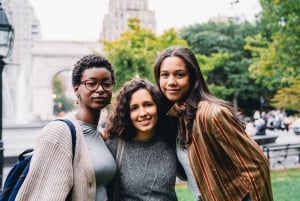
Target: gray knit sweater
point(147, 171)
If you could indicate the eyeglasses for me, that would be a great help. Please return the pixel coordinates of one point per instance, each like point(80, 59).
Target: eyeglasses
point(93, 85)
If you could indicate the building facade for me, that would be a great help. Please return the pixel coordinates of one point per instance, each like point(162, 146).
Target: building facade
point(29, 71)
point(18, 68)
point(51, 58)
point(116, 20)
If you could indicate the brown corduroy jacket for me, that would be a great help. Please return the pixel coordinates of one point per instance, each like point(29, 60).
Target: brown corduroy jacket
point(226, 162)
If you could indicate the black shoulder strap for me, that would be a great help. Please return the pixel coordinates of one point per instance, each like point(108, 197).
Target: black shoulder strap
point(73, 133)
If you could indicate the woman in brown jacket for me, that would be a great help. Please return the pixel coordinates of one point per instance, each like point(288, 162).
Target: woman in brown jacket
point(221, 161)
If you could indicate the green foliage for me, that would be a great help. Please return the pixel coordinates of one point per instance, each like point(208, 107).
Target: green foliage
point(213, 37)
point(240, 61)
point(283, 101)
point(134, 53)
point(220, 91)
point(276, 65)
point(208, 63)
point(226, 61)
point(58, 87)
point(61, 102)
point(184, 193)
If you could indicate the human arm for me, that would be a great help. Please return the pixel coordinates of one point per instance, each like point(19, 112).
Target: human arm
point(235, 153)
point(50, 175)
point(232, 137)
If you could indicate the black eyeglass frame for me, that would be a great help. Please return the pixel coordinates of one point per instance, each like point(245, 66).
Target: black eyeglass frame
point(101, 83)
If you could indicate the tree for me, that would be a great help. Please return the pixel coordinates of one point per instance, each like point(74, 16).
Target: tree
point(223, 45)
point(276, 64)
point(61, 102)
point(290, 102)
point(134, 53)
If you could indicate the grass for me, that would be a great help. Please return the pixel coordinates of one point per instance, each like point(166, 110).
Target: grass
point(285, 186)
point(183, 193)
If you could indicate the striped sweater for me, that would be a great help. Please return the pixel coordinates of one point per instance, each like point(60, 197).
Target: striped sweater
point(226, 162)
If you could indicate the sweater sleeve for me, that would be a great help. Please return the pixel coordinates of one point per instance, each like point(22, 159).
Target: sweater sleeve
point(50, 175)
point(234, 140)
point(246, 156)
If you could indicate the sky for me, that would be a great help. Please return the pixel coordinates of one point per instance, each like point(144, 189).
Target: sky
point(81, 20)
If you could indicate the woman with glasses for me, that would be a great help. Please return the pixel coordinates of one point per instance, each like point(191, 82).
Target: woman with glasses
point(138, 138)
point(52, 174)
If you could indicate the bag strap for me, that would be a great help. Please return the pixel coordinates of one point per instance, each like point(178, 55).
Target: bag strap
point(73, 133)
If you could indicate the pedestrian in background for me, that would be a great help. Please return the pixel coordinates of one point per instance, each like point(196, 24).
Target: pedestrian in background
point(137, 136)
point(52, 174)
point(221, 161)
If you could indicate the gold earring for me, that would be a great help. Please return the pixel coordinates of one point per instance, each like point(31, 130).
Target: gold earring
point(77, 100)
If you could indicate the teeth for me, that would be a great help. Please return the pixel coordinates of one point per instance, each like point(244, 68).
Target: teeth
point(145, 121)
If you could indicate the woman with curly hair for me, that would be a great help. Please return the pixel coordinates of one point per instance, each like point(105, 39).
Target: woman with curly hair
point(137, 135)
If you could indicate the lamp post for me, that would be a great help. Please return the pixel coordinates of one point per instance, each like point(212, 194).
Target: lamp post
point(6, 40)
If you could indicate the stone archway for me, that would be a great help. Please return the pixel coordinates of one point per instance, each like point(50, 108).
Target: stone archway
point(63, 93)
point(49, 58)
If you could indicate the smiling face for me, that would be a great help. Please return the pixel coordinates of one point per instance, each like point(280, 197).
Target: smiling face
point(174, 78)
point(94, 99)
point(143, 114)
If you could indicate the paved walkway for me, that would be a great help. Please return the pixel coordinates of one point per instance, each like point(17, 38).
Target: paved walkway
point(285, 137)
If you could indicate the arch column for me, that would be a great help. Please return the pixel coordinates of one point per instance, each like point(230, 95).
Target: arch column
point(49, 58)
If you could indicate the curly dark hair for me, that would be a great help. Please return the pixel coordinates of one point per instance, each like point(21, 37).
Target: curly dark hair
point(119, 123)
point(90, 61)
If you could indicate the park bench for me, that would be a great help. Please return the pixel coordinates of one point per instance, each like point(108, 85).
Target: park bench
point(265, 139)
point(282, 153)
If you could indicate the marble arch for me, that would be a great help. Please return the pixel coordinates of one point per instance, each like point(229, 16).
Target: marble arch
point(49, 58)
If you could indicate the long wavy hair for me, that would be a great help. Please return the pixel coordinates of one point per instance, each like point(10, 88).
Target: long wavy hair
point(119, 122)
point(198, 89)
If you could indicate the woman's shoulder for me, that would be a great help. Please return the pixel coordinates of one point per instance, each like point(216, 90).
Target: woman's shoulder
point(112, 144)
point(112, 141)
point(208, 109)
point(210, 106)
point(57, 131)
